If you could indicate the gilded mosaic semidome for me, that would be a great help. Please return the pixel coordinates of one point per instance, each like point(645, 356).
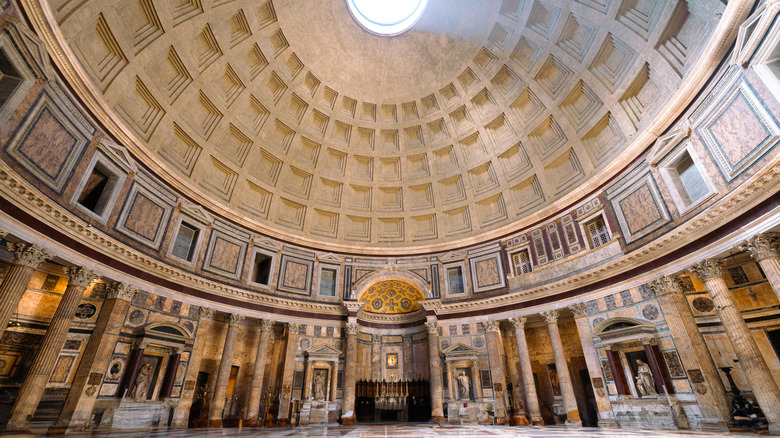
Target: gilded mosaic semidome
point(292, 120)
point(392, 297)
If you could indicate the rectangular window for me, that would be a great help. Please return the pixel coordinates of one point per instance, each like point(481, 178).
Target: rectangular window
point(597, 231)
point(328, 282)
point(98, 189)
point(691, 182)
point(186, 240)
point(521, 261)
point(261, 273)
point(455, 280)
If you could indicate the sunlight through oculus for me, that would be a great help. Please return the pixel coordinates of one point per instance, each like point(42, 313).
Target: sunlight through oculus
point(386, 17)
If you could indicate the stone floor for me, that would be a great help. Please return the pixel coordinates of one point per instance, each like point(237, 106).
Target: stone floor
point(409, 431)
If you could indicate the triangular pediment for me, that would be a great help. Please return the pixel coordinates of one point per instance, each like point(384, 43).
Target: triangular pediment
point(266, 243)
point(665, 144)
point(118, 154)
point(453, 255)
point(325, 351)
point(460, 349)
point(196, 212)
point(329, 257)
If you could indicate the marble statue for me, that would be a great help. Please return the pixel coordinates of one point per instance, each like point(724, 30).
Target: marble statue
point(645, 383)
point(464, 386)
point(319, 387)
point(142, 382)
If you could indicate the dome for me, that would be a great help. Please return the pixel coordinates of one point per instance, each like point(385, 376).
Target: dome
point(293, 120)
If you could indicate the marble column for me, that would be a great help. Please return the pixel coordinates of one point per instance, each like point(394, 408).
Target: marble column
point(492, 333)
point(376, 358)
point(606, 415)
point(531, 399)
point(30, 393)
point(256, 385)
point(166, 387)
point(476, 379)
point(434, 362)
point(223, 373)
point(764, 249)
point(617, 370)
point(350, 371)
point(334, 380)
point(518, 411)
point(26, 259)
point(288, 373)
point(708, 389)
point(181, 414)
point(76, 414)
point(408, 355)
point(562, 367)
point(750, 359)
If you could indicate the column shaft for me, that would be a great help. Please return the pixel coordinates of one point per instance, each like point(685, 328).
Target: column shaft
point(531, 399)
point(750, 358)
point(350, 370)
point(518, 412)
point(476, 379)
point(166, 388)
point(35, 382)
point(76, 414)
point(604, 406)
point(256, 385)
point(562, 367)
point(181, 414)
point(334, 379)
point(218, 399)
point(710, 394)
point(497, 373)
point(26, 260)
point(287, 375)
point(434, 361)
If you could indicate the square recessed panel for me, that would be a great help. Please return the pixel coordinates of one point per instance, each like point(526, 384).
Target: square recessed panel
point(48, 143)
point(487, 272)
point(295, 274)
point(737, 129)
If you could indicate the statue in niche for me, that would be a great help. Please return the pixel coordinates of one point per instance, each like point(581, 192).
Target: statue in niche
point(464, 386)
point(645, 383)
point(142, 382)
point(319, 386)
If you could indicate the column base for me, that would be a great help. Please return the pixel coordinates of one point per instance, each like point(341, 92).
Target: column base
point(251, 422)
point(17, 432)
point(538, 421)
point(609, 423)
point(283, 422)
point(774, 429)
point(520, 420)
point(714, 425)
point(215, 423)
point(439, 419)
point(348, 421)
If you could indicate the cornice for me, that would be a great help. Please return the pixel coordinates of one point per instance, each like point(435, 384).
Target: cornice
point(42, 19)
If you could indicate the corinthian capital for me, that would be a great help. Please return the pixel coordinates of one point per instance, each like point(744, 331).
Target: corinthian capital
point(266, 325)
point(121, 291)
point(433, 327)
point(490, 326)
point(234, 319)
point(206, 314)
point(578, 309)
point(708, 269)
point(551, 316)
point(293, 328)
point(519, 322)
point(762, 246)
point(353, 328)
point(28, 255)
point(665, 285)
point(80, 277)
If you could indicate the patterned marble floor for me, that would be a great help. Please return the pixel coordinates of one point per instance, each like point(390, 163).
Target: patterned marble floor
point(410, 431)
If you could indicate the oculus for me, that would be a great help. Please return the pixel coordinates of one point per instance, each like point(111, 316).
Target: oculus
point(386, 18)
